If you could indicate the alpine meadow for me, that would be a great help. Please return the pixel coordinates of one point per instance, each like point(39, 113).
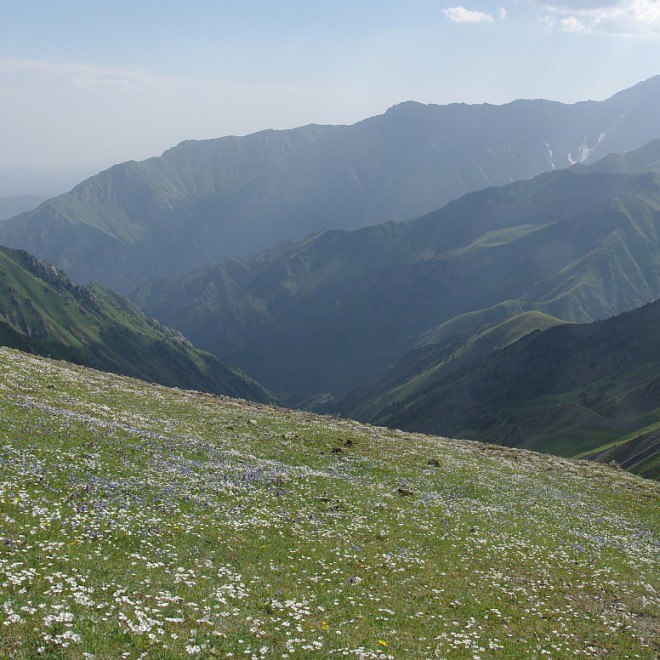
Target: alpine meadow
point(326, 379)
point(142, 521)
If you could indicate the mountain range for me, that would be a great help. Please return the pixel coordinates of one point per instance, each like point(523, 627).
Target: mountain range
point(42, 311)
point(472, 320)
point(203, 202)
point(315, 319)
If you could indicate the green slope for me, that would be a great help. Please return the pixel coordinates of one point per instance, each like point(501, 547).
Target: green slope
point(204, 202)
point(444, 351)
point(141, 521)
point(43, 312)
point(315, 319)
point(590, 390)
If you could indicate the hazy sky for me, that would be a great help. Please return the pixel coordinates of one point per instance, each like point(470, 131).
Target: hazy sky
point(89, 83)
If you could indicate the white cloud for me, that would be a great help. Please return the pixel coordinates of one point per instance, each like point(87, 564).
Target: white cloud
point(460, 14)
point(502, 13)
point(615, 17)
point(572, 24)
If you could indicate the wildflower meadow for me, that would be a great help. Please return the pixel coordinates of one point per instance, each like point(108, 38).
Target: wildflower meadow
point(138, 521)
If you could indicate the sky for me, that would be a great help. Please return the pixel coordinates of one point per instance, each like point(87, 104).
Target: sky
point(85, 84)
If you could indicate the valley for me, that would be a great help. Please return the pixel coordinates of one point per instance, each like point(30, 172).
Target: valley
point(424, 324)
point(314, 318)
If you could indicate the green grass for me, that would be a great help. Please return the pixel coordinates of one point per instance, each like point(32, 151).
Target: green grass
point(494, 239)
point(138, 521)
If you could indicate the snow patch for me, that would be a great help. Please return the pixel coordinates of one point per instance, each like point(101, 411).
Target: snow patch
point(584, 151)
point(552, 162)
point(490, 151)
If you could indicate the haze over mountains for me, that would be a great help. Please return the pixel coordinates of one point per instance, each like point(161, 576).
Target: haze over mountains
point(377, 321)
point(204, 202)
point(323, 315)
point(11, 206)
point(39, 182)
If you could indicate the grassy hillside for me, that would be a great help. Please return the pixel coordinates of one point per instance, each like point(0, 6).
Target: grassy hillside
point(139, 521)
point(43, 312)
point(589, 390)
point(444, 351)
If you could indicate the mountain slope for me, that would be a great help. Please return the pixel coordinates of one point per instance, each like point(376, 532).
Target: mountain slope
point(42, 311)
point(321, 316)
point(142, 521)
point(204, 202)
point(444, 351)
point(589, 389)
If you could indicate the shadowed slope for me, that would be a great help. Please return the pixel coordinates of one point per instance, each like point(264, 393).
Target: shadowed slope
point(590, 389)
point(43, 312)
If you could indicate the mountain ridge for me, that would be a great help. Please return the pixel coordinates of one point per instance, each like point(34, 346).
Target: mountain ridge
point(230, 198)
point(43, 312)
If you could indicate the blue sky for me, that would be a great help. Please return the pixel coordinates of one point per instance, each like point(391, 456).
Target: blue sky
point(85, 84)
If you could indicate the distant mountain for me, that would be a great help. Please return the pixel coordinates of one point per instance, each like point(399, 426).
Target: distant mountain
point(230, 198)
point(11, 206)
point(576, 390)
point(315, 319)
point(43, 312)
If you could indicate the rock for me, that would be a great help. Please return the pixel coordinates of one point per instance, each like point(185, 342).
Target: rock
point(433, 462)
